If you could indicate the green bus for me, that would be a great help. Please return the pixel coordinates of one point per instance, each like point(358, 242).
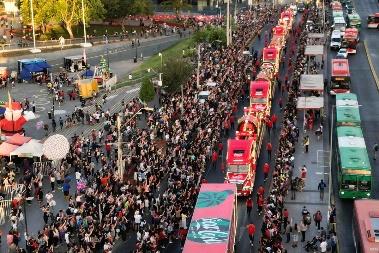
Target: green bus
point(354, 170)
point(347, 110)
point(354, 20)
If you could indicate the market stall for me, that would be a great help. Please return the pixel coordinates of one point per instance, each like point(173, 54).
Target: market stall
point(31, 149)
point(312, 82)
point(28, 68)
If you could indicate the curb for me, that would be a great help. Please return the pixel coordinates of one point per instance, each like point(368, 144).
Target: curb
point(371, 64)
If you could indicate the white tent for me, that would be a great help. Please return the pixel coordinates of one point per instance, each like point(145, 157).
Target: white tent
point(310, 102)
point(312, 82)
point(33, 148)
point(313, 50)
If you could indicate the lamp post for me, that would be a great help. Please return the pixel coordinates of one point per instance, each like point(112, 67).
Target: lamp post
point(85, 44)
point(34, 50)
point(136, 57)
point(227, 23)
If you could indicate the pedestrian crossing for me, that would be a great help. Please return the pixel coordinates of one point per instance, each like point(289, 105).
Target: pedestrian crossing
point(125, 93)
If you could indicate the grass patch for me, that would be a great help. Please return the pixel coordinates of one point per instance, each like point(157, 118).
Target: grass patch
point(175, 51)
point(154, 62)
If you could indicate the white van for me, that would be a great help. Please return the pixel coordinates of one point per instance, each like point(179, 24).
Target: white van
point(335, 40)
point(339, 24)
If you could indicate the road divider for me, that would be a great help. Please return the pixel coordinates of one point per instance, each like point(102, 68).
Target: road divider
point(371, 64)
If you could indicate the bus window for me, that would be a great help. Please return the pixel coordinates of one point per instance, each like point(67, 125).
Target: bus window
point(349, 184)
point(364, 185)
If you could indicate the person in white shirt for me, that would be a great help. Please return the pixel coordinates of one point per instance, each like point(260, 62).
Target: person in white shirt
point(323, 246)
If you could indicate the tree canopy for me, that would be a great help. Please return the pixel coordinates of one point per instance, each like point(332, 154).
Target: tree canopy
point(210, 34)
point(176, 5)
point(175, 74)
point(147, 92)
point(123, 8)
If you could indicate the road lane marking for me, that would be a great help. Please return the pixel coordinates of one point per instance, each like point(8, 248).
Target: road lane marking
point(371, 64)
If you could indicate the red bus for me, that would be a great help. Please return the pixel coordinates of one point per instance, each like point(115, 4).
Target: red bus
point(340, 77)
point(373, 21)
point(366, 226)
point(214, 221)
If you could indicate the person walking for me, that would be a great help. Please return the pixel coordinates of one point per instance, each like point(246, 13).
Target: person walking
point(260, 202)
point(293, 189)
point(321, 187)
point(317, 217)
point(251, 232)
point(249, 206)
point(266, 170)
point(375, 150)
point(269, 150)
point(295, 235)
point(214, 159)
point(303, 229)
point(287, 231)
point(274, 119)
point(61, 122)
point(285, 216)
point(306, 143)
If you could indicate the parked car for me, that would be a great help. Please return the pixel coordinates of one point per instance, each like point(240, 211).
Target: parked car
point(342, 53)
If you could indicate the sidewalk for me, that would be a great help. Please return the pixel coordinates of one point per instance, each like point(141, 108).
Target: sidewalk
point(317, 163)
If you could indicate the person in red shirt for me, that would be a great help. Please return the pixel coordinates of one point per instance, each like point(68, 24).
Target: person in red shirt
point(214, 159)
point(261, 191)
point(249, 206)
point(220, 147)
point(266, 170)
point(285, 215)
point(182, 235)
point(268, 125)
point(274, 118)
point(269, 150)
point(251, 232)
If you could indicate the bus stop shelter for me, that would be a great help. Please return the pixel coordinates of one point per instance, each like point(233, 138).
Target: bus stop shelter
point(312, 82)
point(316, 39)
point(309, 103)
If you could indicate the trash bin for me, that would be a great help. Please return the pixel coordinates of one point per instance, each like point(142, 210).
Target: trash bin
point(50, 114)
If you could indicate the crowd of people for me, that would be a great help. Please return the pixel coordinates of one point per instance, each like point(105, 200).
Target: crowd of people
point(163, 168)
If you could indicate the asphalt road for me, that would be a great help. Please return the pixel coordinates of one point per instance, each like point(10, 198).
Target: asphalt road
point(363, 84)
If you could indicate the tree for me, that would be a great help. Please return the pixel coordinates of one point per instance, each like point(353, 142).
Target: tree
point(43, 12)
point(69, 12)
point(175, 74)
point(147, 92)
point(176, 5)
point(210, 34)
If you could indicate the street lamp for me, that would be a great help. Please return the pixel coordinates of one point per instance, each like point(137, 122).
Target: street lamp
point(136, 57)
point(34, 50)
point(85, 44)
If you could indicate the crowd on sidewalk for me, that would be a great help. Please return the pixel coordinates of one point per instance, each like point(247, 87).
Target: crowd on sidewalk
point(156, 197)
point(277, 220)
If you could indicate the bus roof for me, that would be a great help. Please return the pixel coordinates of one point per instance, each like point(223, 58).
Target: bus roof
point(340, 67)
point(346, 99)
point(367, 219)
point(354, 15)
point(352, 148)
point(239, 151)
point(212, 219)
point(278, 30)
point(348, 114)
point(270, 53)
point(351, 33)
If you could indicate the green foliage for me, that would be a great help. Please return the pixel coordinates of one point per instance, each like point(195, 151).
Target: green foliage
point(67, 12)
point(147, 92)
point(176, 5)
point(210, 34)
point(124, 8)
point(175, 73)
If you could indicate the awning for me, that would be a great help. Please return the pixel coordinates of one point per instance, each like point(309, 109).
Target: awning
point(6, 148)
point(88, 73)
point(310, 102)
point(312, 50)
point(312, 82)
point(33, 67)
point(315, 35)
point(43, 65)
point(18, 139)
point(31, 149)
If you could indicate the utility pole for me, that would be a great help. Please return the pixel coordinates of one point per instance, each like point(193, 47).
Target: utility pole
point(227, 23)
point(120, 162)
point(198, 65)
